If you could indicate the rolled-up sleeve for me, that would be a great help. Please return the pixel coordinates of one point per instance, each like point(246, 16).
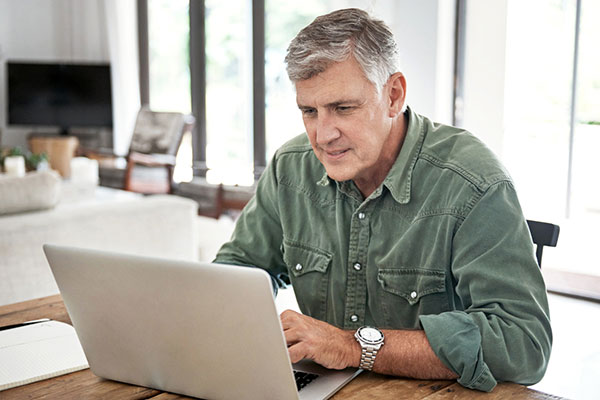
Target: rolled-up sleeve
point(503, 331)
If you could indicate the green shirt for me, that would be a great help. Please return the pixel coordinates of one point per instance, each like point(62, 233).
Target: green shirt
point(441, 245)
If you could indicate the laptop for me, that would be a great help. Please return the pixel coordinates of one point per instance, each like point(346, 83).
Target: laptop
point(204, 330)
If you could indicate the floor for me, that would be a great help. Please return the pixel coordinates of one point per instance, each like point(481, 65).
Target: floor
point(577, 242)
point(574, 368)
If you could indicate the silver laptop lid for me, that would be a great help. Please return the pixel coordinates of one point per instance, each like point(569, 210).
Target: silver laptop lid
point(145, 321)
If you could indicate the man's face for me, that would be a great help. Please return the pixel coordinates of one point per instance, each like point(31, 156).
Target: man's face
point(348, 123)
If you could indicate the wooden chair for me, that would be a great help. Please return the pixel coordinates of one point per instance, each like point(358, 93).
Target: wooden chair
point(226, 203)
point(148, 167)
point(543, 234)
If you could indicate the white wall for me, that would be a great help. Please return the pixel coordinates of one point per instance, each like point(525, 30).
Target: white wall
point(485, 62)
point(121, 16)
point(74, 31)
point(67, 30)
point(424, 31)
point(48, 30)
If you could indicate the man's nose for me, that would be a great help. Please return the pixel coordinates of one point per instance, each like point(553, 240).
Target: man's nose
point(327, 130)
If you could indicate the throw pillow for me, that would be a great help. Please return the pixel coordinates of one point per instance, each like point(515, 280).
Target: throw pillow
point(34, 191)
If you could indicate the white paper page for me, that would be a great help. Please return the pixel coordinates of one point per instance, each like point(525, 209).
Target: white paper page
point(39, 351)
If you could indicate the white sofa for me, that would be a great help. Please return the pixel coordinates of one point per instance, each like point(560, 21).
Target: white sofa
point(160, 226)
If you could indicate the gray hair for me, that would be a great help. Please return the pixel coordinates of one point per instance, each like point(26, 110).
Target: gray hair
point(335, 37)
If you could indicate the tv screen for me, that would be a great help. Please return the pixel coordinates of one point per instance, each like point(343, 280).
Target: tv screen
point(59, 95)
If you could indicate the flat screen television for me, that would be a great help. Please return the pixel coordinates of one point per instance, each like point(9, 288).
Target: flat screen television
point(63, 95)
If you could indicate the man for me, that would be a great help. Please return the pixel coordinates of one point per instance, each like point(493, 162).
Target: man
point(385, 219)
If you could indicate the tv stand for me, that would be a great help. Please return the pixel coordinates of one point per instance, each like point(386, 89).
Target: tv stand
point(60, 150)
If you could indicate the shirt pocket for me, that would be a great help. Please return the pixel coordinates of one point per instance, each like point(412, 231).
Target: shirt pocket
point(407, 293)
point(309, 273)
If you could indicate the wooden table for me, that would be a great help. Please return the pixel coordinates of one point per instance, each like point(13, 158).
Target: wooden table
point(84, 384)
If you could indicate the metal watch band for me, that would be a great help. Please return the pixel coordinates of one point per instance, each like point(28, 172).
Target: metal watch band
point(367, 358)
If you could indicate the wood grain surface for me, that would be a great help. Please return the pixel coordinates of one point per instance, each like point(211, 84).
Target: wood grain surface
point(85, 385)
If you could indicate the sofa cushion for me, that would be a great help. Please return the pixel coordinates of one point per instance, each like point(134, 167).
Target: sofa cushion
point(34, 191)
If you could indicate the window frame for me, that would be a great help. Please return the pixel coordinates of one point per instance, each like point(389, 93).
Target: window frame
point(198, 80)
point(197, 11)
point(560, 281)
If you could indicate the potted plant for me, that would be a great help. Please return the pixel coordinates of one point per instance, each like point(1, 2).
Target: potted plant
point(33, 161)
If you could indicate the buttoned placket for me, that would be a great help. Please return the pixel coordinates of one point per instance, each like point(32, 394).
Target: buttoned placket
point(356, 284)
point(359, 238)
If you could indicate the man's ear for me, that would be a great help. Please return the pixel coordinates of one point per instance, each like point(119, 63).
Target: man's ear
point(397, 93)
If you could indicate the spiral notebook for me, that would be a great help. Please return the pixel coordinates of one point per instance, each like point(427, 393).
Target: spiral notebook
point(38, 350)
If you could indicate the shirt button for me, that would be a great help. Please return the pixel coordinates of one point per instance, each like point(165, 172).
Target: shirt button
point(357, 266)
point(413, 295)
point(361, 215)
point(298, 267)
point(354, 318)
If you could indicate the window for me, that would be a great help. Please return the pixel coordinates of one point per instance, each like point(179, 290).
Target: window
point(168, 45)
point(539, 65)
point(169, 81)
point(229, 155)
point(228, 130)
point(584, 195)
point(585, 190)
point(552, 128)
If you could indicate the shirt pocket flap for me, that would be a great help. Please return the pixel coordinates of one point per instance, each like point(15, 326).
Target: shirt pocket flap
point(412, 284)
point(302, 260)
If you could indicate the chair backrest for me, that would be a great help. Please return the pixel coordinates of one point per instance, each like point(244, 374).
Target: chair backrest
point(543, 234)
point(157, 132)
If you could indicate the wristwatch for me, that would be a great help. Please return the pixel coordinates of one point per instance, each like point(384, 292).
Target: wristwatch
point(370, 340)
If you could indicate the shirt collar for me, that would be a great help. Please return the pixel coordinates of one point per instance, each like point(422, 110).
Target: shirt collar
point(346, 187)
point(324, 181)
point(398, 180)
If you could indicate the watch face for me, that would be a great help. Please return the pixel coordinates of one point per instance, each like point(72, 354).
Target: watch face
point(371, 335)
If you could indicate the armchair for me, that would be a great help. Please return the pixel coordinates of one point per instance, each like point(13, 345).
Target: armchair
point(148, 167)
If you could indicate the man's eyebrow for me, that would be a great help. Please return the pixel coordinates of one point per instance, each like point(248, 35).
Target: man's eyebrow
point(335, 104)
point(338, 103)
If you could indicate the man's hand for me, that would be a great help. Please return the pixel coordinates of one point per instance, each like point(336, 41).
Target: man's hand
point(405, 353)
point(325, 344)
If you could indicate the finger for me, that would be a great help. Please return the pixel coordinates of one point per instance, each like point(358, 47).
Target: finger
point(286, 324)
point(297, 352)
point(289, 314)
point(292, 336)
point(289, 319)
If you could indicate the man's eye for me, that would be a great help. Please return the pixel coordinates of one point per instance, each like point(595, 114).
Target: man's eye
point(309, 112)
point(344, 109)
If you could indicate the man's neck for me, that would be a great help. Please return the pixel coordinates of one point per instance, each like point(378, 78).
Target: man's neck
point(388, 157)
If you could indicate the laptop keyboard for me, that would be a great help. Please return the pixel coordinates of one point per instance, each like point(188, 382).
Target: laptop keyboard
point(303, 379)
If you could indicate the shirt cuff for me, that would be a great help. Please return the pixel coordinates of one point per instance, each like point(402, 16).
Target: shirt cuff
point(456, 340)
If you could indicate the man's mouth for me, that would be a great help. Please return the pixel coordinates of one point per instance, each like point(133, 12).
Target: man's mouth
point(335, 154)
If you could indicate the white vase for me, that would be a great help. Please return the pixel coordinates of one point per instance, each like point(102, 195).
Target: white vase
point(14, 166)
